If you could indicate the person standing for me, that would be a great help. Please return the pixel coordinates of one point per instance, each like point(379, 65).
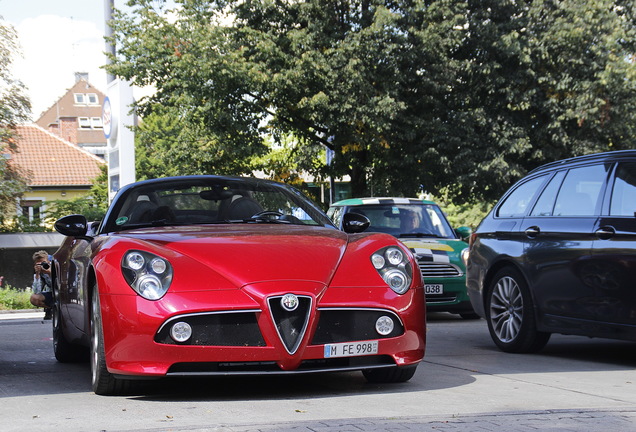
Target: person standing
point(42, 294)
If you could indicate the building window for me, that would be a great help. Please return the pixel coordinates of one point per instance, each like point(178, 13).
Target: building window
point(86, 98)
point(84, 122)
point(31, 209)
point(92, 99)
point(96, 123)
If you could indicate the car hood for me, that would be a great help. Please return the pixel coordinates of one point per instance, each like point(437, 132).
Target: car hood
point(249, 253)
point(450, 248)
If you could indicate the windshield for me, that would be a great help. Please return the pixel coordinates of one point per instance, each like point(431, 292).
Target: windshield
point(407, 220)
point(210, 200)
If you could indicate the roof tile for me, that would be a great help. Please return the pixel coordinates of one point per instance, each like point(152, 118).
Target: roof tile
point(53, 161)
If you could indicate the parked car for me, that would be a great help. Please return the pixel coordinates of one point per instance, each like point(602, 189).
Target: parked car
point(210, 275)
point(557, 254)
point(423, 228)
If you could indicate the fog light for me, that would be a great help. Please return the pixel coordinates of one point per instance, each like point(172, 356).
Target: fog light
point(384, 325)
point(181, 331)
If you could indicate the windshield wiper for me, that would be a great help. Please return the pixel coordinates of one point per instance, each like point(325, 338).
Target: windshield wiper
point(258, 220)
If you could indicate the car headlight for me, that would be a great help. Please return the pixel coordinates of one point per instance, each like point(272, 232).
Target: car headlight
point(394, 267)
point(465, 255)
point(148, 274)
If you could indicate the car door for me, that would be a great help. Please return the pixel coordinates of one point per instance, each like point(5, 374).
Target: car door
point(559, 233)
point(612, 271)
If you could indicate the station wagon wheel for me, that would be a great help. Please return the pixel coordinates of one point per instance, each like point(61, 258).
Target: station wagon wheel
point(390, 375)
point(510, 314)
point(65, 352)
point(103, 382)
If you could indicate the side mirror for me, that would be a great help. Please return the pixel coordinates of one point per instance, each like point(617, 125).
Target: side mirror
point(72, 226)
point(353, 223)
point(464, 232)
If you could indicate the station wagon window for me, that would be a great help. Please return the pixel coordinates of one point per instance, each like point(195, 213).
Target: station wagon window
point(545, 203)
point(623, 201)
point(517, 202)
point(580, 191)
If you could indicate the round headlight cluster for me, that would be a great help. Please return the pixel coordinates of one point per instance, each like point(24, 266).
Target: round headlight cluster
point(148, 274)
point(394, 267)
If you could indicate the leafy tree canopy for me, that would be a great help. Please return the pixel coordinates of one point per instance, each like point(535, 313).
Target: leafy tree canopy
point(459, 97)
point(15, 107)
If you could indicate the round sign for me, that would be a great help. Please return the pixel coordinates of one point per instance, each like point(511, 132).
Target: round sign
point(107, 118)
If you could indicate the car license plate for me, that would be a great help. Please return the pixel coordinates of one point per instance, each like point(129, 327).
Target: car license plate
point(351, 349)
point(433, 289)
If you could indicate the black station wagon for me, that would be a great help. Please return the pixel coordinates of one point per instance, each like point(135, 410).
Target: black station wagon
point(557, 254)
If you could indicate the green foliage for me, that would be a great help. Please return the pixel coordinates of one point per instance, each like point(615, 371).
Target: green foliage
point(15, 107)
point(92, 205)
point(13, 298)
point(457, 96)
point(467, 214)
point(14, 224)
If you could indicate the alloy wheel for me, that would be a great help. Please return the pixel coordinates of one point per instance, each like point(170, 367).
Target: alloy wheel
point(506, 309)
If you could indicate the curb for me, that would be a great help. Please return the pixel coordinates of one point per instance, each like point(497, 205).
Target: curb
point(20, 311)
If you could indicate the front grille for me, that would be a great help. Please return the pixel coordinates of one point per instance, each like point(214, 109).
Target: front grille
point(346, 325)
point(216, 329)
point(431, 299)
point(290, 325)
point(438, 270)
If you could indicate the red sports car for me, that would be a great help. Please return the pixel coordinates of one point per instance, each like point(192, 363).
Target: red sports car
point(210, 275)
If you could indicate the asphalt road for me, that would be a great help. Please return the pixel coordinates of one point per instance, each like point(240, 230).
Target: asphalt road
point(464, 384)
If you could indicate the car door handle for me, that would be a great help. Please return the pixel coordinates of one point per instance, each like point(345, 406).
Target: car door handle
point(605, 232)
point(532, 231)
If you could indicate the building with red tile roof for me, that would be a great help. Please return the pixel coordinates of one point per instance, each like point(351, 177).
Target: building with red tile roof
point(58, 169)
point(77, 116)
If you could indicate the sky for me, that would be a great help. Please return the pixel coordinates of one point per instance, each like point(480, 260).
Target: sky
point(57, 39)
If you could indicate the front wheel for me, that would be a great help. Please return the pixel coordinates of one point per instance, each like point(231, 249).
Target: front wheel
point(65, 351)
point(390, 375)
point(103, 382)
point(510, 314)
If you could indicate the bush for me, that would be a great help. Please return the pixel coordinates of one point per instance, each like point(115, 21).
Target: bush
point(14, 298)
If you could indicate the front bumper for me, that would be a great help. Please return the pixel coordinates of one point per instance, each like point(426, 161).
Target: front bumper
point(236, 332)
point(453, 299)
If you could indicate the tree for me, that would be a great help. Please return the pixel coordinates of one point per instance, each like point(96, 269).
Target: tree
point(544, 80)
point(455, 97)
point(92, 205)
point(330, 74)
point(15, 107)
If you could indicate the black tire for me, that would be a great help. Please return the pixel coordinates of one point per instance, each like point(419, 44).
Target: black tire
point(390, 375)
point(510, 314)
point(102, 381)
point(65, 351)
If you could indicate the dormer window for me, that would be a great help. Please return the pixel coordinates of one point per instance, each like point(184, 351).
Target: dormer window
point(86, 98)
